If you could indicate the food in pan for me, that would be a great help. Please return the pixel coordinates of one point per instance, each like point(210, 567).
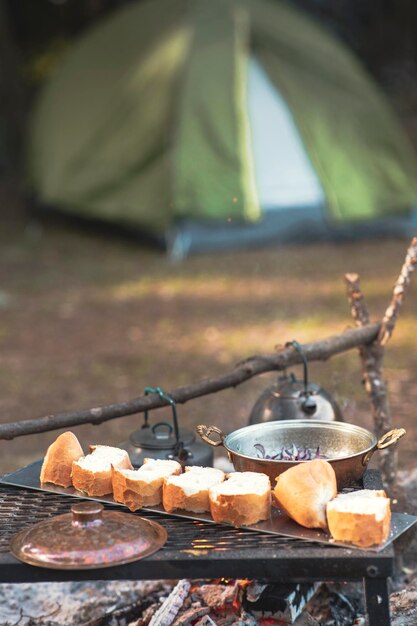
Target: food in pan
point(290, 453)
point(360, 517)
point(143, 487)
point(93, 473)
point(304, 490)
point(190, 490)
point(243, 499)
point(57, 464)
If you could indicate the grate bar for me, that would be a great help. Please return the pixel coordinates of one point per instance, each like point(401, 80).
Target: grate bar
point(20, 509)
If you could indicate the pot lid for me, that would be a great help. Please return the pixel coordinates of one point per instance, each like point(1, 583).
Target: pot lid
point(160, 436)
point(88, 538)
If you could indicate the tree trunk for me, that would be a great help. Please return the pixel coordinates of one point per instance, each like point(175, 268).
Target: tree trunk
point(12, 98)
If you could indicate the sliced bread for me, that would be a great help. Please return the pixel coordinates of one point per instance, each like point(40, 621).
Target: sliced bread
point(93, 473)
point(303, 491)
point(143, 487)
point(189, 491)
point(361, 517)
point(57, 464)
point(244, 498)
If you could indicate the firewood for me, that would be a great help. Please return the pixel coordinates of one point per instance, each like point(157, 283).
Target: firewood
point(187, 618)
point(168, 610)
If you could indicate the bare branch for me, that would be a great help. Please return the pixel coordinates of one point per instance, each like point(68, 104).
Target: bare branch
point(372, 358)
point(255, 365)
point(401, 285)
point(358, 307)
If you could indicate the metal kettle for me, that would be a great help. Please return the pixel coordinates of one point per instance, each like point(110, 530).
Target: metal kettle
point(165, 441)
point(291, 398)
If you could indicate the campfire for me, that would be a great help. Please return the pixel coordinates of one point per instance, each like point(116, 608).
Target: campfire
point(243, 602)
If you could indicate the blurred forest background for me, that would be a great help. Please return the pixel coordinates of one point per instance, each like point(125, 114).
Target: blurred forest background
point(34, 36)
point(87, 320)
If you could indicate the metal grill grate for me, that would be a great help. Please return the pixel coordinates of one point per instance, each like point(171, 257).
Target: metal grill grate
point(21, 508)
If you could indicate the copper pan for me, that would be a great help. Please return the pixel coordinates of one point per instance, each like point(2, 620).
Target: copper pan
point(348, 448)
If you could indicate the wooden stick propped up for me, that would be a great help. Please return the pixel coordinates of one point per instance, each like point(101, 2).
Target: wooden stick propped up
point(401, 285)
point(358, 307)
point(372, 355)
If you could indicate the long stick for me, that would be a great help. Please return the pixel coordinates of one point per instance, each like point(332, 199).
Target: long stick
point(253, 366)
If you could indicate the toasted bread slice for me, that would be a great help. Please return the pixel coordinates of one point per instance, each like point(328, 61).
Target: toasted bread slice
point(189, 491)
point(243, 499)
point(93, 473)
point(57, 464)
point(143, 487)
point(361, 517)
point(304, 490)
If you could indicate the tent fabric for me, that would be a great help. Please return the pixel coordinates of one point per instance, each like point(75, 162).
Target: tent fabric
point(284, 174)
point(365, 162)
point(280, 227)
point(101, 140)
point(213, 168)
point(147, 123)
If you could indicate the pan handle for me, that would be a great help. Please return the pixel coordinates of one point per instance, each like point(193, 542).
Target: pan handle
point(390, 437)
point(205, 432)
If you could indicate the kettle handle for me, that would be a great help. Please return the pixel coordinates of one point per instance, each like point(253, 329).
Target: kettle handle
point(205, 432)
point(164, 433)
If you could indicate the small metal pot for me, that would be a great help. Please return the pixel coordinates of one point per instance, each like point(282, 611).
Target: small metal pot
point(163, 441)
point(290, 398)
point(348, 448)
point(159, 442)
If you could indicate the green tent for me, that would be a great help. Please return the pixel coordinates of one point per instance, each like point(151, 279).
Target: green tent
point(153, 121)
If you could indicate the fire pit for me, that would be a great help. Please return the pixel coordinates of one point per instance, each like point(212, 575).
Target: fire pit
point(200, 550)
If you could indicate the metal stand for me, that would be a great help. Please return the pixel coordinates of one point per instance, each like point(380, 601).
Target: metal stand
point(377, 601)
point(204, 550)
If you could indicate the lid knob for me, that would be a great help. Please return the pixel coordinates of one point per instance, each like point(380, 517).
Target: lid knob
point(87, 514)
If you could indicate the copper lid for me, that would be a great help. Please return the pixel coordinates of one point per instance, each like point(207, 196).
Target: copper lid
point(88, 538)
